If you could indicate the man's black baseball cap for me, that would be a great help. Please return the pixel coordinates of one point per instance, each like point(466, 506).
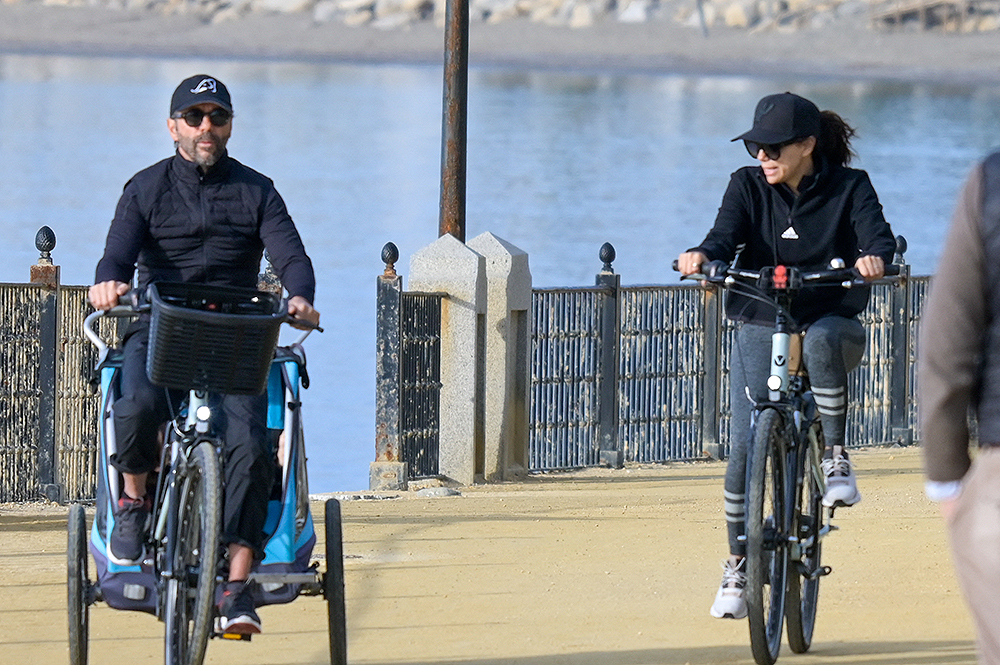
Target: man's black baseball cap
point(782, 117)
point(200, 89)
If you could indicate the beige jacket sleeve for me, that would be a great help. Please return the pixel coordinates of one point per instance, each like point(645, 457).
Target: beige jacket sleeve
point(952, 330)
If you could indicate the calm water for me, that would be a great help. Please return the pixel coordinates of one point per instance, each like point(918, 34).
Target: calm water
point(558, 164)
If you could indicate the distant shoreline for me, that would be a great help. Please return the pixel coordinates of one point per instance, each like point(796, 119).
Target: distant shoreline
point(845, 50)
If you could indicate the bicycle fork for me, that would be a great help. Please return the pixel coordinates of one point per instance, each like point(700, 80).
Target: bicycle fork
point(196, 423)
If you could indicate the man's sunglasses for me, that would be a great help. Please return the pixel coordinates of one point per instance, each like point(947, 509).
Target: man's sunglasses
point(193, 117)
point(772, 150)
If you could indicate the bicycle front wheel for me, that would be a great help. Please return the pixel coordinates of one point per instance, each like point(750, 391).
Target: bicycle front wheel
point(767, 557)
point(808, 523)
point(190, 593)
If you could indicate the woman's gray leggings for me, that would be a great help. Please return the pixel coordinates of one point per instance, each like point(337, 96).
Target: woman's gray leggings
point(833, 346)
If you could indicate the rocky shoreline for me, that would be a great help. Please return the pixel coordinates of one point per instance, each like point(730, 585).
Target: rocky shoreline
point(755, 15)
point(844, 44)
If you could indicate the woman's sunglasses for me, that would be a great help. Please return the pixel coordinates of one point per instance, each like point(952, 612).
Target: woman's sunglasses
point(772, 150)
point(193, 117)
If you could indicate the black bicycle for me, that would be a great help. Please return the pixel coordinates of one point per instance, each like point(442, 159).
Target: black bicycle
point(786, 520)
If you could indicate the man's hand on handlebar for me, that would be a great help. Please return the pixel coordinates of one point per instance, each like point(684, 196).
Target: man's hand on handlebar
point(104, 296)
point(299, 308)
point(690, 263)
point(870, 267)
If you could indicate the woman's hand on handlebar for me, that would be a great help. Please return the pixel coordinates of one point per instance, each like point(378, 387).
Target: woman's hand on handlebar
point(870, 267)
point(300, 308)
point(690, 263)
point(104, 296)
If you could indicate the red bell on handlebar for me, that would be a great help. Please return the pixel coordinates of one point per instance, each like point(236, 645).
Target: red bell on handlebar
point(780, 277)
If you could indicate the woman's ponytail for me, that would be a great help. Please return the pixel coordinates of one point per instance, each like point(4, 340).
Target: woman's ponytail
point(834, 141)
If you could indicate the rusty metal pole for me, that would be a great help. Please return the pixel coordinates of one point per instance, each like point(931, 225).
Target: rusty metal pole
point(454, 126)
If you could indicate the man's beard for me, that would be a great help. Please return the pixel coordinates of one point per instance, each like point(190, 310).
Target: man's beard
point(204, 159)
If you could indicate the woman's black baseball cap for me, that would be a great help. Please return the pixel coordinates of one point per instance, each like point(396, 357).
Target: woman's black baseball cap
point(782, 117)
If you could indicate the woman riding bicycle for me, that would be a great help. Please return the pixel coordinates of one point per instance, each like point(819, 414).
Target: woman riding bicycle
point(802, 206)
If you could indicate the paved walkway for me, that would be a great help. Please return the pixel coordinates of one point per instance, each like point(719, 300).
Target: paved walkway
point(589, 568)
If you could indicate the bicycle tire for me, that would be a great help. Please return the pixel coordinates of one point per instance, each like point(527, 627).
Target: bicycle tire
point(190, 593)
point(804, 576)
point(78, 586)
point(333, 583)
point(767, 559)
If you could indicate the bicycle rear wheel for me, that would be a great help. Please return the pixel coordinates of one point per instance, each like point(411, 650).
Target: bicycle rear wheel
point(767, 556)
point(803, 577)
point(190, 593)
point(333, 583)
point(78, 586)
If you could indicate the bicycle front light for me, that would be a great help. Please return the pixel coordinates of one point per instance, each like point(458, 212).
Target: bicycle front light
point(203, 413)
point(774, 382)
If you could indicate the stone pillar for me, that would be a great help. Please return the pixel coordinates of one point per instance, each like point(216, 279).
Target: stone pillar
point(508, 294)
point(449, 266)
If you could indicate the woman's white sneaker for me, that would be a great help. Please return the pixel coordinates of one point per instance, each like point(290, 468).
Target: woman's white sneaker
point(729, 601)
point(841, 484)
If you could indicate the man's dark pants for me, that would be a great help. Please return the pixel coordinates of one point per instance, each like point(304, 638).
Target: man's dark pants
point(248, 462)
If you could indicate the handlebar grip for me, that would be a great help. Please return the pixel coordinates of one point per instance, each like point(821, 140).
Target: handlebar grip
point(307, 325)
point(891, 270)
point(675, 266)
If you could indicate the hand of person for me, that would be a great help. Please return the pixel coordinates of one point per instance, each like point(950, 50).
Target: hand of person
point(689, 263)
point(104, 296)
point(870, 267)
point(300, 308)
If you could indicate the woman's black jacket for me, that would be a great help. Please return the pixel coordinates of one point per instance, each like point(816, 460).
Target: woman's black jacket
point(836, 215)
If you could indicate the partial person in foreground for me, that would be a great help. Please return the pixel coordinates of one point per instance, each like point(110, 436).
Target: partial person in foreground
point(959, 370)
point(202, 217)
point(799, 206)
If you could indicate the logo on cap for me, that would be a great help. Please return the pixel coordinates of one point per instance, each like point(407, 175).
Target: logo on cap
point(204, 85)
point(764, 110)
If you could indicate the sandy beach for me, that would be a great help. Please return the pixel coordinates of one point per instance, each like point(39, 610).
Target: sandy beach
point(848, 48)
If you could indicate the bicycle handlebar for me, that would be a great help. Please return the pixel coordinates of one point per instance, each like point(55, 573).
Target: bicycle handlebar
point(784, 277)
point(135, 303)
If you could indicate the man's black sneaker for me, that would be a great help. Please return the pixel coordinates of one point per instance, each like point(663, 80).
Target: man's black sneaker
point(237, 612)
point(128, 536)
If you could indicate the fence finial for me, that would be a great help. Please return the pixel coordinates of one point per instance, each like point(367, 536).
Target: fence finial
point(900, 250)
point(45, 242)
point(390, 254)
point(607, 256)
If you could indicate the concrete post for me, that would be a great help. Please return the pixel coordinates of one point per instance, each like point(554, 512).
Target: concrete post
point(449, 266)
point(508, 294)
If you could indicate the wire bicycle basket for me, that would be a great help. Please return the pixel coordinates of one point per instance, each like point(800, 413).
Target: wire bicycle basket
point(219, 339)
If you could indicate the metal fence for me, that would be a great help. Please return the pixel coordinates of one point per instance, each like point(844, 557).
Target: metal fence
point(618, 374)
point(672, 378)
point(48, 406)
point(407, 374)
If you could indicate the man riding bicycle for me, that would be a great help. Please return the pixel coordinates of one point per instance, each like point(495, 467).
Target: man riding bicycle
point(200, 217)
point(801, 206)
